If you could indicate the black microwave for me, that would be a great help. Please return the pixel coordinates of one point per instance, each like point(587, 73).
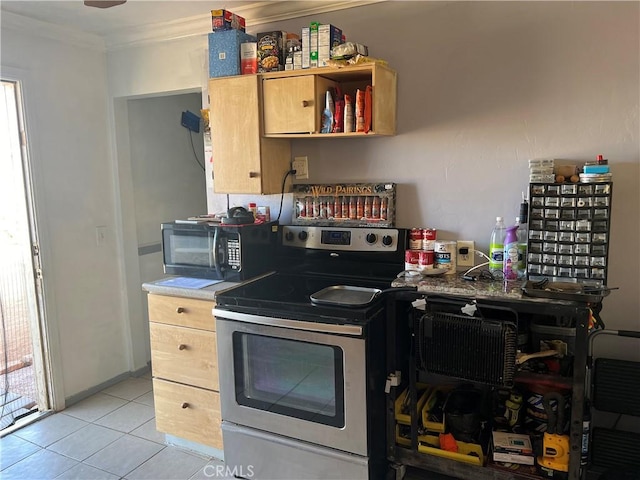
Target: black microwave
point(222, 252)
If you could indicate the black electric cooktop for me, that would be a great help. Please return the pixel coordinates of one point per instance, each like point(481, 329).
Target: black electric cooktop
point(287, 295)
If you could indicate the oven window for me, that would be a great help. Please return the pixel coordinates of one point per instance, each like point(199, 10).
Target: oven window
point(290, 377)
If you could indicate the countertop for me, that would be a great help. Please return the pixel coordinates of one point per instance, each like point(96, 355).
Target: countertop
point(206, 293)
point(446, 284)
point(454, 284)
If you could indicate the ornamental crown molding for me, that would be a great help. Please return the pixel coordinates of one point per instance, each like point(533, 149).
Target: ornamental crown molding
point(256, 13)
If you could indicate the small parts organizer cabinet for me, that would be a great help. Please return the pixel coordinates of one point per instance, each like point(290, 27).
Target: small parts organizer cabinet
point(569, 231)
point(184, 363)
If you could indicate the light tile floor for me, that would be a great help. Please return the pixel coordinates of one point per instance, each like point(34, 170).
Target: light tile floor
point(110, 435)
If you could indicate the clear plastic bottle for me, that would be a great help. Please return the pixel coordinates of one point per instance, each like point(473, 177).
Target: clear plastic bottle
point(523, 237)
point(510, 253)
point(496, 246)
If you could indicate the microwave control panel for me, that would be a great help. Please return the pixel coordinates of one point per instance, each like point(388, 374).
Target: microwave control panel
point(233, 253)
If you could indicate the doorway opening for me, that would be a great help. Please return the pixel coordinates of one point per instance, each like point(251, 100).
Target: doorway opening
point(22, 378)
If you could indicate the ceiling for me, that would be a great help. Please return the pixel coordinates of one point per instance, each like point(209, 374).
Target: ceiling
point(145, 20)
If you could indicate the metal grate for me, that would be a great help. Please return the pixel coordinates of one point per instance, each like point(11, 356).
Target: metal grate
point(18, 393)
point(616, 386)
point(469, 348)
point(615, 449)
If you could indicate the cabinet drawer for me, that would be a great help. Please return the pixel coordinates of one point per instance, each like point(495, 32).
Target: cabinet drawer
point(188, 412)
point(181, 311)
point(184, 355)
point(294, 104)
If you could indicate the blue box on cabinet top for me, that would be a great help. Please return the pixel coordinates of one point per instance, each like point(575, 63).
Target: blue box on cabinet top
point(224, 52)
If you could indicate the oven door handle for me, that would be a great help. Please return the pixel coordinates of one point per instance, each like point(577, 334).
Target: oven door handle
point(352, 330)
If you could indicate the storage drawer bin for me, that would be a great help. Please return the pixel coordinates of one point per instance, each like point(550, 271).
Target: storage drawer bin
point(423, 392)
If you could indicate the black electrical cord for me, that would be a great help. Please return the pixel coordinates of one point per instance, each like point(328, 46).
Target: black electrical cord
point(284, 179)
point(194, 150)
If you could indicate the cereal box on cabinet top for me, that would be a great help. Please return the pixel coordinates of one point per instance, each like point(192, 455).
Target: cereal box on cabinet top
point(345, 204)
point(271, 55)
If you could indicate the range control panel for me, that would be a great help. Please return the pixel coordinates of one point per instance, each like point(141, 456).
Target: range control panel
point(344, 239)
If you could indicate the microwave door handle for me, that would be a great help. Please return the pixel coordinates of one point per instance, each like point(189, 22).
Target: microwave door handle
point(216, 245)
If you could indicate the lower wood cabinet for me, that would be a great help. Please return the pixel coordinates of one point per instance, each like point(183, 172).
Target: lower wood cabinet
point(184, 364)
point(188, 412)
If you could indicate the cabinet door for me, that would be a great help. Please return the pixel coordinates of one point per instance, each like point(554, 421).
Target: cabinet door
point(184, 355)
point(294, 104)
point(243, 162)
point(188, 412)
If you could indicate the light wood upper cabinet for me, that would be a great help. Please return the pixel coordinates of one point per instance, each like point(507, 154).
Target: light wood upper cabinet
point(294, 100)
point(253, 118)
point(243, 161)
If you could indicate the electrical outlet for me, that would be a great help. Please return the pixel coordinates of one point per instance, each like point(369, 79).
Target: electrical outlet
point(301, 166)
point(466, 259)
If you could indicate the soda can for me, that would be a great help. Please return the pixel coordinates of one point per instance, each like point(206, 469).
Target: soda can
point(415, 239)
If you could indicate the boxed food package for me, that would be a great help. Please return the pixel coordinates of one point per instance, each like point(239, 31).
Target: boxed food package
point(512, 448)
point(224, 52)
point(292, 46)
point(345, 205)
point(249, 58)
point(329, 36)
point(225, 20)
point(271, 51)
point(297, 60)
point(313, 44)
point(304, 40)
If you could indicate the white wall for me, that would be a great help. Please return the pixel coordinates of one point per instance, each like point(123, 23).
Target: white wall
point(67, 121)
point(482, 88)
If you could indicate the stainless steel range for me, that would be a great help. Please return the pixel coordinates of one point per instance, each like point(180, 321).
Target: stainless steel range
point(302, 381)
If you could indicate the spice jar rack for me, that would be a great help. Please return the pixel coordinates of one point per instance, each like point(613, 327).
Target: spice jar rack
point(569, 227)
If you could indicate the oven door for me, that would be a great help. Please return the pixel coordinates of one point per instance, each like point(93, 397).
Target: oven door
point(303, 380)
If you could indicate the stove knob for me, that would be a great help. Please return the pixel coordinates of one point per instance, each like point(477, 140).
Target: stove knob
point(288, 236)
point(387, 240)
point(303, 235)
point(371, 238)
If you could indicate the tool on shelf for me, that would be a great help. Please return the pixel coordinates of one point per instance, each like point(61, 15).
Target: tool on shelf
point(555, 445)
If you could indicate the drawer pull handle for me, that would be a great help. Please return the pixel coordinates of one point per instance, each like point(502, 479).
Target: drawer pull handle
point(253, 175)
point(185, 405)
point(180, 310)
point(182, 346)
point(305, 103)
